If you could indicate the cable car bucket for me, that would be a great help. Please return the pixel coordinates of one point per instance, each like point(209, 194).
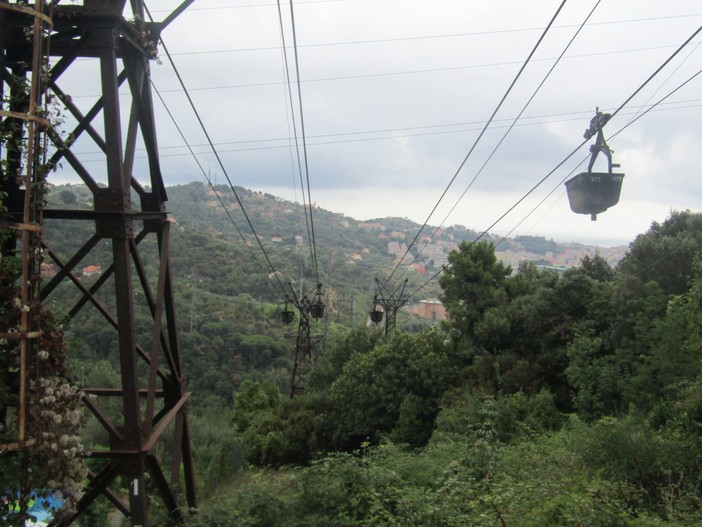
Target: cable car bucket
point(594, 192)
point(376, 312)
point(287, 315)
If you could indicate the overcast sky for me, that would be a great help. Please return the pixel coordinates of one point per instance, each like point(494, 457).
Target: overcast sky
point(395, 93)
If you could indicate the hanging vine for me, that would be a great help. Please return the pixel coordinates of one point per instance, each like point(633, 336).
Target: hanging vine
point(44, 461)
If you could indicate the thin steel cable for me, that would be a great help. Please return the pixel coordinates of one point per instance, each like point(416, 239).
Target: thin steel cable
point(209, 182)
point(304, 140)
point(400, 72)
point(665, 63)
point(430, 37)
point(641, 87)
point(297, 142)
point(219, 160)
point(579, 115)
point(665, 81)
point(541, 202)
point(288, 115)
point(509, 129)
point(475, 143)
point(615, 134)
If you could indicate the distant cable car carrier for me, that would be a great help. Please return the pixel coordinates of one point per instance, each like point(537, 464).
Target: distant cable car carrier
point(594, 192)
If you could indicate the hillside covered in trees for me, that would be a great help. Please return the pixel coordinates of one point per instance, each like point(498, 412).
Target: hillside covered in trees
point(545, 399)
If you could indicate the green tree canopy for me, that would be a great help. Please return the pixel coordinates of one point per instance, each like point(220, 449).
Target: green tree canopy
point(473, 287)
point(398, 383)
point(666, 253)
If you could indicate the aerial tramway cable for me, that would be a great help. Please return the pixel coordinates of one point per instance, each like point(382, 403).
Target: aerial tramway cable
point(219, 160)
point(297, 143)
point(576, 116)
point(511, 126)
point(636, 115)
point(428, 37)
point(561, 163)
point(304, 140)
point(629, 123)
point(209, 182)
point(475, 143)
point(656, 72)
point(314, 308)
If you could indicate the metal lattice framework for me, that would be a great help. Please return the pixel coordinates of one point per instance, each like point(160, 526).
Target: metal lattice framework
point(391, 301)
point(129, 215)
point(308, 347)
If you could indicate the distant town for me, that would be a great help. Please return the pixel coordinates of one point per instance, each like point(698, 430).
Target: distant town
point(511, 251)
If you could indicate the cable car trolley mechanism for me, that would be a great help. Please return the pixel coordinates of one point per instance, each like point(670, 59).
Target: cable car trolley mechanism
point(594, 192)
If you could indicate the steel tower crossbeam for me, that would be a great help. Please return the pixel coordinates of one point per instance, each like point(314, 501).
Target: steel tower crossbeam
point(129, 214)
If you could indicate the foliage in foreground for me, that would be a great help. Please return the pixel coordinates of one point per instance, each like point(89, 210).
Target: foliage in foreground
point(547, 479)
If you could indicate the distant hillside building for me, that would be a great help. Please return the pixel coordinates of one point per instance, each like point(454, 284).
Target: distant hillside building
point(419, 268)
point(398, 249)
point(431, 309)
point(91, 270)
point(48, 269)
point(436, 254)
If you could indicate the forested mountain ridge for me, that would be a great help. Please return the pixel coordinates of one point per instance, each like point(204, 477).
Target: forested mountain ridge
point(275, 218)
point(340, 239)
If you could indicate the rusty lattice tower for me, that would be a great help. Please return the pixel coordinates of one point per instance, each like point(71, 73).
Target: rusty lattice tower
point(127, 216)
